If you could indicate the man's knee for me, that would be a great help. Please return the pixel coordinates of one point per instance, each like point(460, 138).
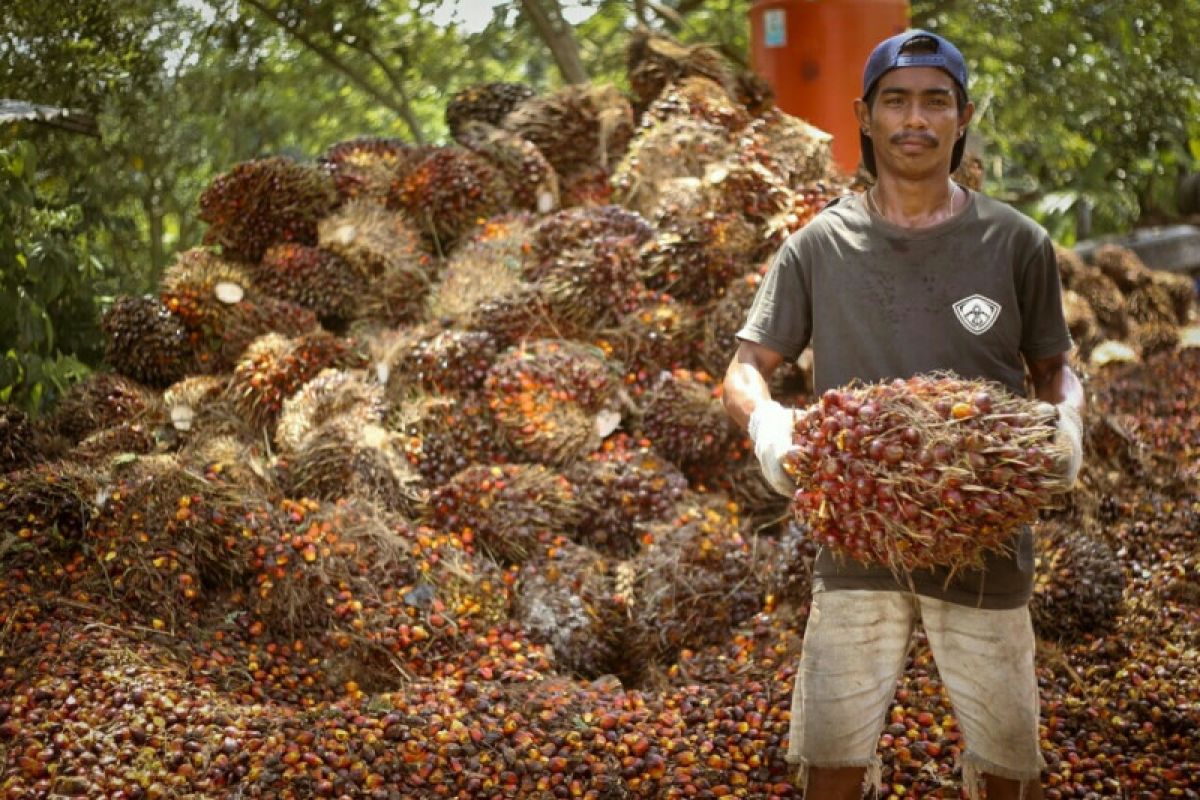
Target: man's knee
point(834, 783)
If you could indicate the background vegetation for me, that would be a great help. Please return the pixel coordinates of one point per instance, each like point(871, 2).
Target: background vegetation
point(1088, 110)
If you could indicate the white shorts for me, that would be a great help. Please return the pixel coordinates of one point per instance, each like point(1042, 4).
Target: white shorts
point(854, 652)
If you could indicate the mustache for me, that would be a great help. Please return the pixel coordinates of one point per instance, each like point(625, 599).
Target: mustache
point(924, 137)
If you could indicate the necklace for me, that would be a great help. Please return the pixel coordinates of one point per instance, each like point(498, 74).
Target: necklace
point(873, 203)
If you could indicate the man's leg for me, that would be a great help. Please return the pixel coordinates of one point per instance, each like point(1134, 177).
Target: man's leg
point(985, 658)
point(853, 652)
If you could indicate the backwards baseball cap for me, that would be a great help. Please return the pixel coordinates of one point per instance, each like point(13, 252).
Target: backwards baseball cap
point(925, 49)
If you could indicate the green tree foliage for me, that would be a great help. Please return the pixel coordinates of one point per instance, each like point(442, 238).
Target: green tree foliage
point(1082, 102)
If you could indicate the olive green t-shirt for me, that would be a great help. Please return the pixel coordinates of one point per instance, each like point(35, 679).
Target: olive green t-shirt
point(977, 294)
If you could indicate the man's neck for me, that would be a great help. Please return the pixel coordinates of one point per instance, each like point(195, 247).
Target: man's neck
point(915, 203)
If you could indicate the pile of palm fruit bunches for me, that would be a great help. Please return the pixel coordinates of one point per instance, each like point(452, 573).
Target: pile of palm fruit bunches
point(414, 482)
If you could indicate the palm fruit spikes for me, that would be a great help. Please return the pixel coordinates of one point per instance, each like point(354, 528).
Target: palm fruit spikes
point(659, 333)
point(488, 103)
point(450, 361)
point(933, 470)
point(555, 400)
point(677, 147)
point(797, 152)
point(698, 251)
point(590, 286)
point(313, 278)
point(449, 192)
point(512, 512)
point(698, 98)
point(145, 341)
point(264, 202)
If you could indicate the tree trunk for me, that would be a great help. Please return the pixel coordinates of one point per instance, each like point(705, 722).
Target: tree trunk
point(546, 16)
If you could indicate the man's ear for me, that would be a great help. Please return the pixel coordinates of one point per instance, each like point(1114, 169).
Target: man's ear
point(863, 112)
point(964, 119)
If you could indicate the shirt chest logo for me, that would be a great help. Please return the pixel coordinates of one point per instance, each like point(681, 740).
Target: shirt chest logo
point(977, 313)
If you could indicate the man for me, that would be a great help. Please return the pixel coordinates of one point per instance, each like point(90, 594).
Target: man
point(917, 274)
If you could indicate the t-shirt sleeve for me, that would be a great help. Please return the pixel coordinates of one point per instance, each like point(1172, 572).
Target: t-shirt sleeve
point(781, 315)
point(1043, 326)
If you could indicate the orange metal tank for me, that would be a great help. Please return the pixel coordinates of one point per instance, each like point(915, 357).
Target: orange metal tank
point(812, 53)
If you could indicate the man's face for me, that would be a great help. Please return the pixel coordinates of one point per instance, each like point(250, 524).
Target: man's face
point(914, 122)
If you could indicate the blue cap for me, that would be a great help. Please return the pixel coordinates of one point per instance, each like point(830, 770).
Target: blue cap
point(887, 56)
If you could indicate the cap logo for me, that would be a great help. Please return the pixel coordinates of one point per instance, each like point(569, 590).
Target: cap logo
point(977, 313)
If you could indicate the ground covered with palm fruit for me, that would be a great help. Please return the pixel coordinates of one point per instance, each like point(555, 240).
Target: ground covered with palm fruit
point(414, 483)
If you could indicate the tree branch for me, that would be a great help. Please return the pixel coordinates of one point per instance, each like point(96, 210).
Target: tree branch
point(331, 58)
point(558, 38)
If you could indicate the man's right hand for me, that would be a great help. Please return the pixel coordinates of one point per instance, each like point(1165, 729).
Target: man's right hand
point(770, 429)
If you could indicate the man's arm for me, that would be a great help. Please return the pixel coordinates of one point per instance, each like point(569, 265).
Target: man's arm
point(1055, 382)
point(746, 380)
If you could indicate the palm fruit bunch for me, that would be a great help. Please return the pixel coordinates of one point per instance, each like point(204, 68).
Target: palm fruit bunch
point(933, 470)
point(659, 333)
point(555, 400)
point(488, 103)
point(481, 288)
point(470, 585)
point(1081, 322)
point(682, 417)
point(576, 128)
point(1077, 585)
point(621, 486)
point(321, 564)
point(332, 393)
point(531, 180)
point(652, 62)
point(100, 401)
point(386, 255)
point(697, 579)
point(1182, 291)
point(165, 537)
point(231, 462)
point(589, 286)
point(364, 168)
point(754, 92)
point(577, 227)
point(586, 187)
point(699, 250)
point(723, 318)
point(20, 439)
point(970, 171)
point(215, 300)
point(263, 202)
point(313, 278)
point(44, 510)
point(805, 203)
point(758, 650)
point(145, 341)
point(442, 436)
point(511, 512)
point(788, 558)
point(1105, 298)
point(346, 457)
point(198, 408)
point(1070, 265)
point(700, 99)
point(450, 361)
point(565, 600)
point(274, 367)
point(675, 148)
point(122, 440)
point(448, 192)
point(796, 151)
point(1122, 266)
point(742, 184)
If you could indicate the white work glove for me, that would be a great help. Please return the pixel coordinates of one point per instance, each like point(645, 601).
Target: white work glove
point(1070, 438)
point(771, 431)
